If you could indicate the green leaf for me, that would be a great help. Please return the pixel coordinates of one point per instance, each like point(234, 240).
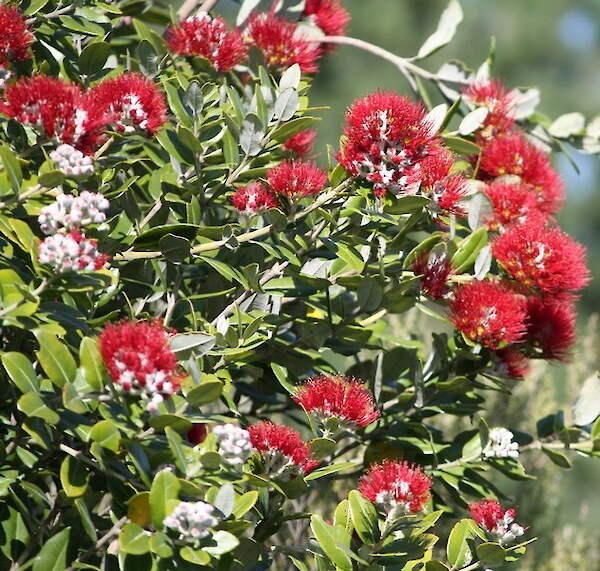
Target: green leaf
point(451, 17)
point(462, 146)
point(206, 392)
point(458, 550)
point(252, 135)
point(557, 457)
point(86, 519)
point(12, 168)
point(435, 566)
point(195, 556)
point(326, 470)
point(328, 537)
point(93, 57)
point(225, 542)
point(468, 250)
point(14, 531)
point(55, 358)
point(286, 104)
point(199, 343)
point(107, 435)
point(134, 539)
point(161, 545)
point(91, 363)
point(567, 125)
point(176, 249)
point(364, 517)
point(244, 503)
point(31, 404)
point(21, 371)
point(343, 516)
point(73, 477)
point(225, 499)
point(321, 447)
point(491, 554)
point(231, 152)
point(587, 407)
point(51, 178)
point(148, 58)
point(175, 444)
point(165, 488)
point(53, 555)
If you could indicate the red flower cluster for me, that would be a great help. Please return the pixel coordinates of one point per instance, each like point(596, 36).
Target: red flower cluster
point(302, 143)
point(129, 102)
point(253, 198)
point(498, 101)
point(138, 358)
point(512, 362)
point(296, 179)
point(329, 15)
point(16, 37)
point(396, 487)
point(339, 397)
point(209, 38)
point(512, 154)
point(284, 453)
point(280, 43)
point(551, 326)
point(497, 522)
point(386, 136)
point(489, 313)
point(434, 269)
point(59, 109)
point(64, 114)
point(542, 257)
point(512, 203)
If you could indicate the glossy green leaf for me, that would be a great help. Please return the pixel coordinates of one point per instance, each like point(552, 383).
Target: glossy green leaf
point(21, 371)
point(165, 488)
point(92, 365)
point(329, 537)
point(53, 554)
point(364, 517)
point(93, 57)
point(73, 477)
point(31, 404)
point(55, 358)
point(491, 554)
point(134, 539)
point(106, 434)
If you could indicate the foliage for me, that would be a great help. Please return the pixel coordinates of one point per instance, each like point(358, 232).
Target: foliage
point(142, 336)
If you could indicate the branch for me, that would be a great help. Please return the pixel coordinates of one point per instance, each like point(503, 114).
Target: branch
point(189, 6)
point(407, 68)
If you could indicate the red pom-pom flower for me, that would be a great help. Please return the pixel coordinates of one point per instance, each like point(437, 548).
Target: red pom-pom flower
point(488, 313)
point(337, 397)
point(397, 488)
point(296, 179)
point(551, 327)
point(16, 37)
point(253, 198)
point(499, 102)
point(139, 359)
point(285, 455)
point(329, 15)
point(209, 38)
point(498, 523)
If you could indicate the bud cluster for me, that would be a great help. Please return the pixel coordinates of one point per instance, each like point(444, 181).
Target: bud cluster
point(71, 161)
point(234, 443)
point(192, 520)
point(66, 248)
point(501, 444)
point(498, 523)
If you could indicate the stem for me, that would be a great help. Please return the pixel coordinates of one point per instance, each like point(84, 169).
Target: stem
point(24, 196)
point(55, 14)
point(190, 5)
point(245, 237)
point(37, 291)
point(407, 68)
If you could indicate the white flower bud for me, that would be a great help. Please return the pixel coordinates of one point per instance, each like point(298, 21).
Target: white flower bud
point(71, 161)
point(234, 443)
point(192, 520)
point(73, 212)
point(501, 444)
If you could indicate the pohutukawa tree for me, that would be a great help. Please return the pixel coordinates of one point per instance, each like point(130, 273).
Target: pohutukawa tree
point(198, 339)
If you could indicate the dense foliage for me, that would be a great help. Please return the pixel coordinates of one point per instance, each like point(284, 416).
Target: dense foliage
point(200, 324)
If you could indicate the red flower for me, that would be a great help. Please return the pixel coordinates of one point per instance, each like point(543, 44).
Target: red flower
point(396, 486)
point(512, 154)
point(130, 102)
point(280, 43)
point(329, 15)
point(138, 357)
point(488, 313)
point(253, 198)
point(338, 397)
point(302, 143)
point(297, 179)
point(551, 326)
point(284, 453)
point(542, 257)
point(434, 268)
point(57, 108)
point(208, 37)
point(499, 102)
point(512, 203)
point(16, 37)
point(385, 137)
point(512, 363)
point(434, 167)
point(447, 194)
point(497, 522)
